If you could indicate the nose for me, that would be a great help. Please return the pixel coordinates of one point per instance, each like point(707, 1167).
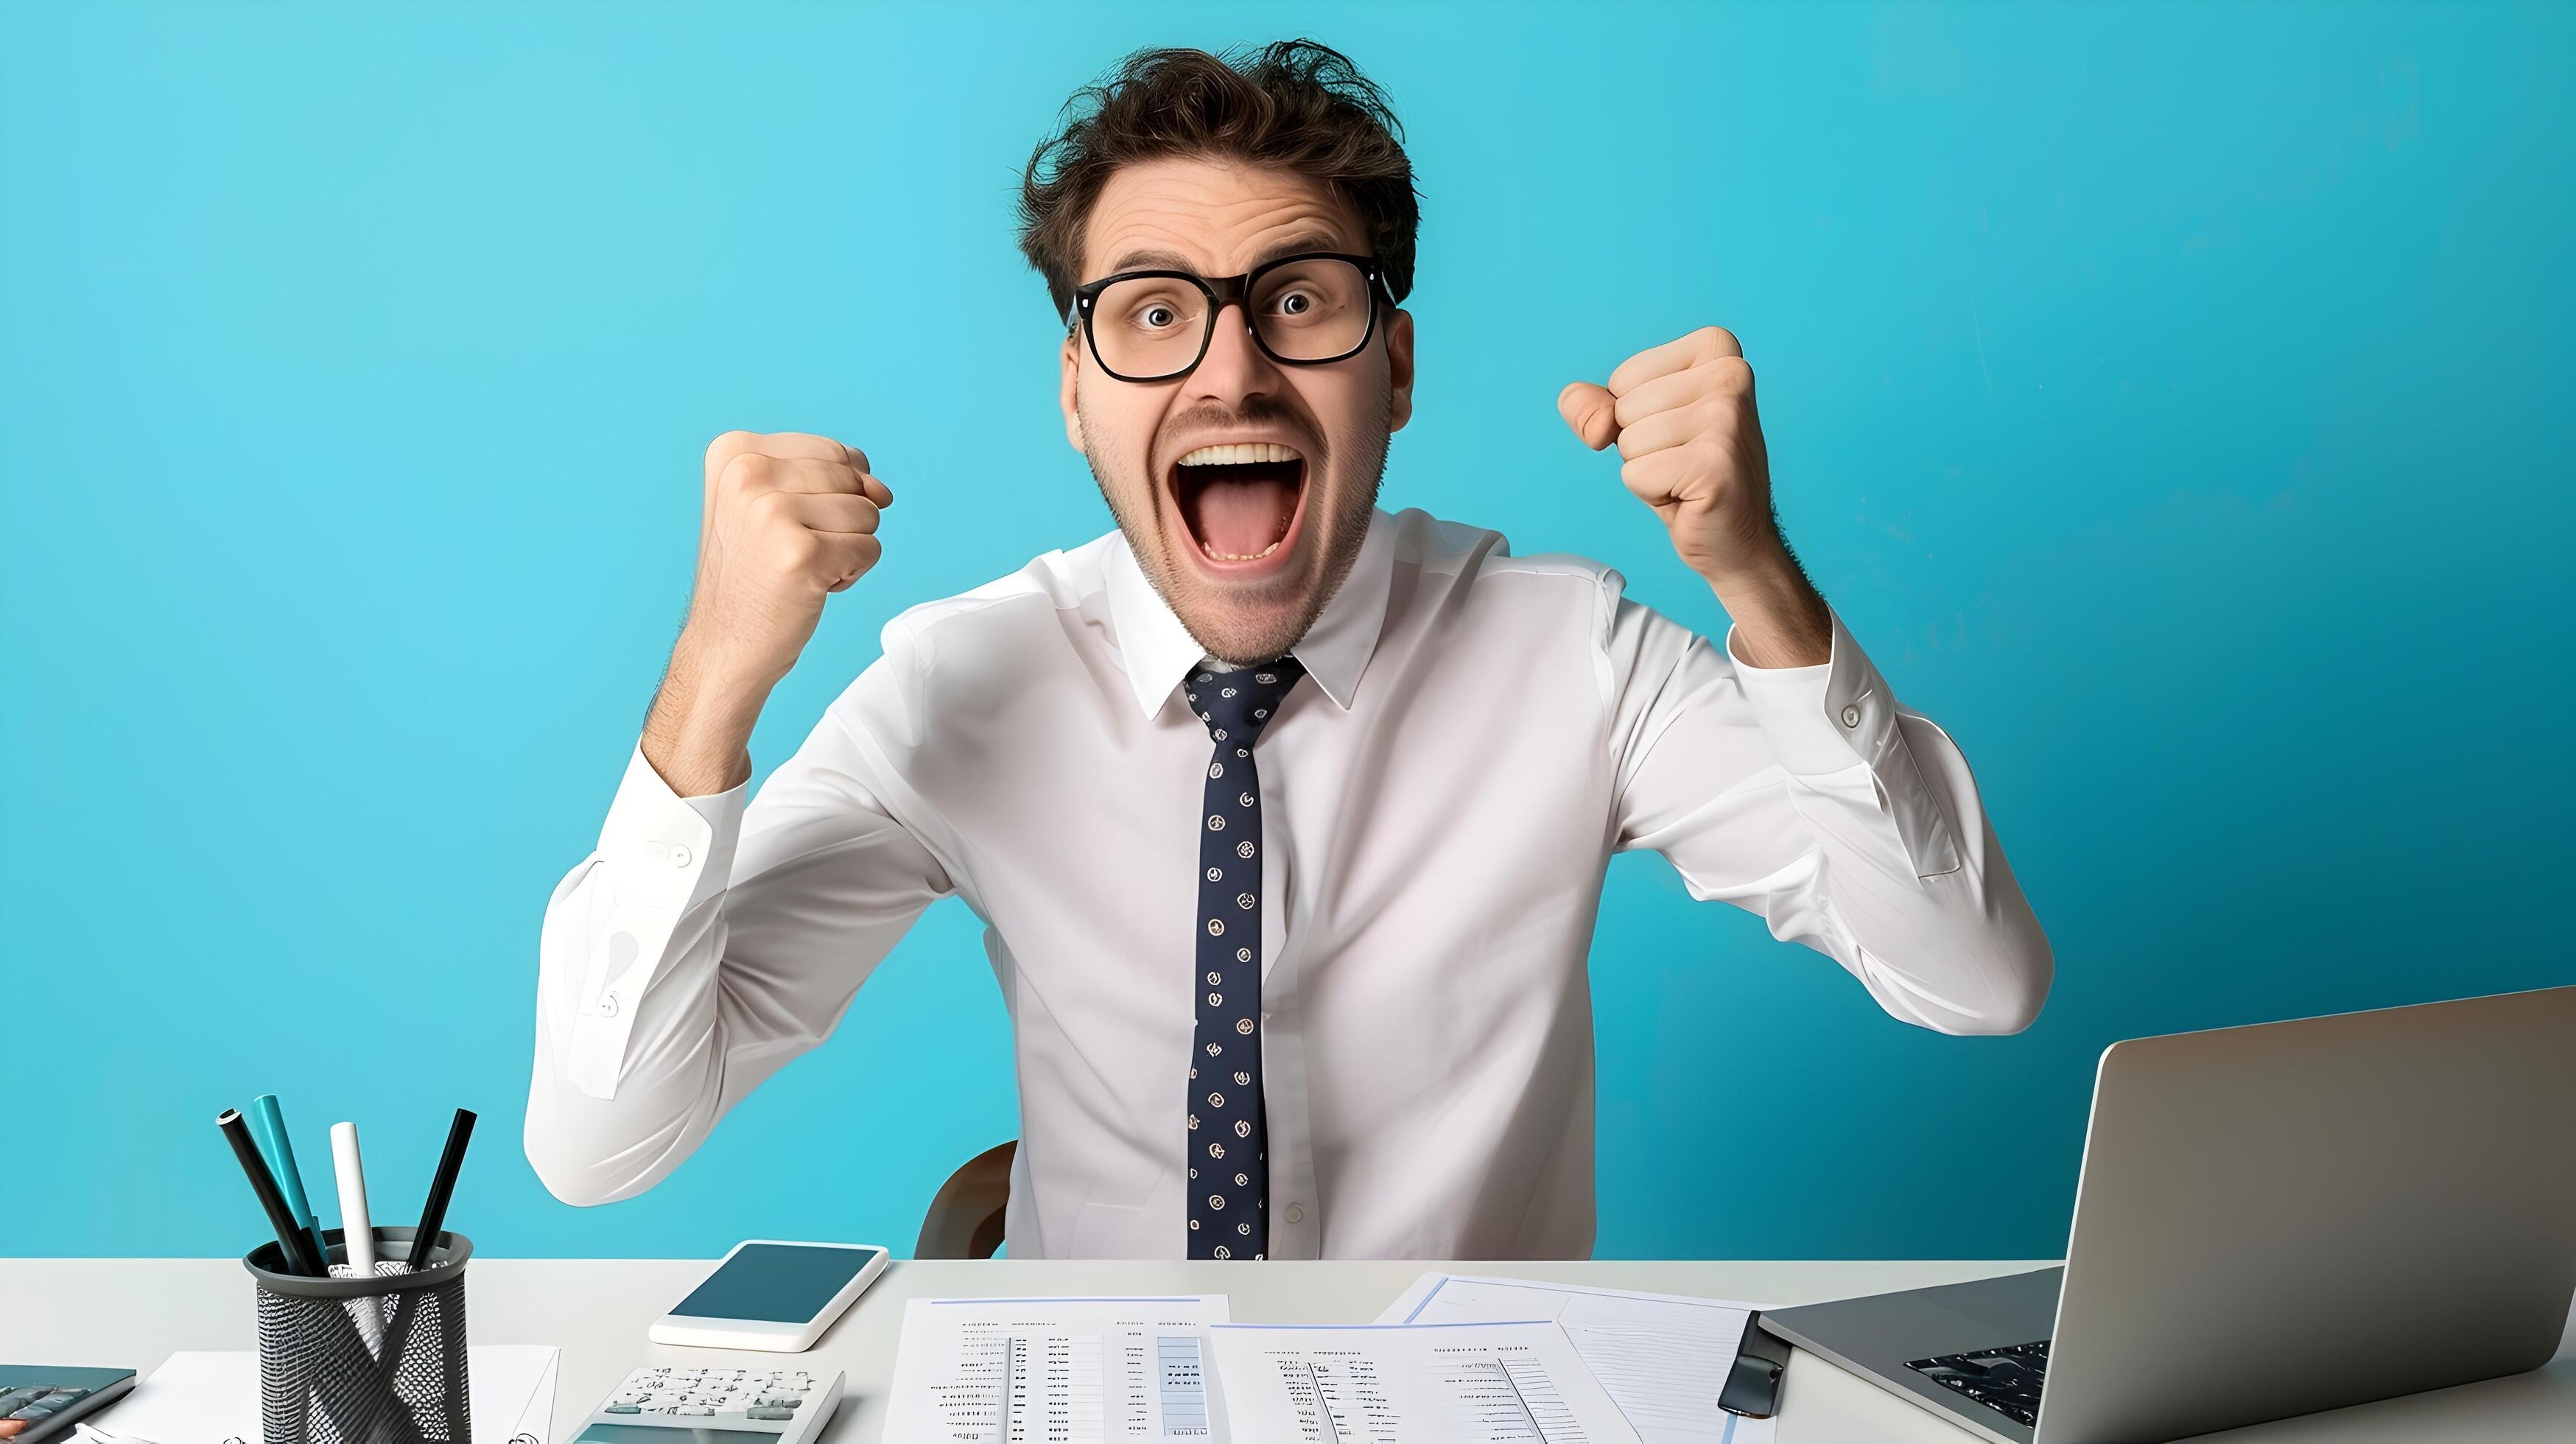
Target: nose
point(1234, 366)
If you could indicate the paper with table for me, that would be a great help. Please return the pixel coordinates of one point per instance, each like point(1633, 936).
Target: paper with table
point(1110, 1370)
point(210, 1396)
point(1062, 1370)
point(1661, 1357)
point(1477, 1383)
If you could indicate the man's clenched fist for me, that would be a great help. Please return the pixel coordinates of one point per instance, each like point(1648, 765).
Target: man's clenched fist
point(1683, 416)
point(789, 519)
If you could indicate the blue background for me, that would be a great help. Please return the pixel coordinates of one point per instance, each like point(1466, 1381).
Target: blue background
point(2173, 399)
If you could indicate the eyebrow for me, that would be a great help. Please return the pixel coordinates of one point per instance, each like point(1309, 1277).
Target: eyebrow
point(1161, 260)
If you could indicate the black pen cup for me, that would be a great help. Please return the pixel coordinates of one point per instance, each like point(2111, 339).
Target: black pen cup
point(364, 1360)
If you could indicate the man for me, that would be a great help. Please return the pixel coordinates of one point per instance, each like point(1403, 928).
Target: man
point(1286, 816)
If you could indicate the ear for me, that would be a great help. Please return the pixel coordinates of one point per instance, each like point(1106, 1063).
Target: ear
point(1072, 369)
point(1399, 368)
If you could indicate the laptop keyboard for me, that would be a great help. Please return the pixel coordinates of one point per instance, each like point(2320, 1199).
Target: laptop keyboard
point(2005, 1380)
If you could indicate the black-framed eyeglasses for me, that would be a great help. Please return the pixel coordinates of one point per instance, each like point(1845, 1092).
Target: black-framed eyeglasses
point(1303, 310)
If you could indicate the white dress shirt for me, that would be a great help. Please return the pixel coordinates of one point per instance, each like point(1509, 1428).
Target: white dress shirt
point(1477, 733)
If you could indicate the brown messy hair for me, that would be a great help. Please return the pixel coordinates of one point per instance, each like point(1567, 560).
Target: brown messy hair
point(1293, 104)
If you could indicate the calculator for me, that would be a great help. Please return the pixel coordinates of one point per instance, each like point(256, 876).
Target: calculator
point(711, 1404)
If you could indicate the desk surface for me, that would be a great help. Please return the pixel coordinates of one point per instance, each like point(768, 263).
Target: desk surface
point(134, 1312)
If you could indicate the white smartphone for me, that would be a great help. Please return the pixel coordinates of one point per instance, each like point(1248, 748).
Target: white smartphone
point(772, 1295)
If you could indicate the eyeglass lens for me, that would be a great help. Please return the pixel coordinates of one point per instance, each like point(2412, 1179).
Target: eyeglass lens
point(1307, 310)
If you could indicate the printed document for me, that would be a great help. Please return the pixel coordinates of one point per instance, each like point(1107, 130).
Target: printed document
point(1054, 1371)
point(1475, 1383)
point(1661, 1357)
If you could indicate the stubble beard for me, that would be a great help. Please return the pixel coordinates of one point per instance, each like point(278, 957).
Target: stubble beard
point(1236, 636)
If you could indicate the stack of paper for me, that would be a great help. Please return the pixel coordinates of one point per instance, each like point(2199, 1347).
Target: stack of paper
point(1454, 1361)
point(208, 1397)
point(1661, 1357)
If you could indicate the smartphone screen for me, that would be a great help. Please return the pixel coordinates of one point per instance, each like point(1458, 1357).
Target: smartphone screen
point(779, 1283)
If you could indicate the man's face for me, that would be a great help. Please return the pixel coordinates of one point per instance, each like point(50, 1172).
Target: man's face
point(1247, 556)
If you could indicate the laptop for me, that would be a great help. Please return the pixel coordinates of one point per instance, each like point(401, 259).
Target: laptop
point(2270, 1220)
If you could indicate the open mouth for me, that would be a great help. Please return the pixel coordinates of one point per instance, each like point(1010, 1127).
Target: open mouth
point(1240, 501)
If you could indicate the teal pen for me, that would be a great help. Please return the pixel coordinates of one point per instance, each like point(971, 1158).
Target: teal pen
point(270, 1126)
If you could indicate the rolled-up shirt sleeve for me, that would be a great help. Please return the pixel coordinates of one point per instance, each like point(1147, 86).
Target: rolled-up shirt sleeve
point(1809, 795)
point(707, 941)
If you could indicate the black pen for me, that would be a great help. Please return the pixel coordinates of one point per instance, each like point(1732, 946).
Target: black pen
point(292, 1241)
point(433, 1214)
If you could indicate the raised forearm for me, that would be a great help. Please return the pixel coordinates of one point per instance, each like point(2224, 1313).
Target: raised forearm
point(1780, 618)
point(698, 735)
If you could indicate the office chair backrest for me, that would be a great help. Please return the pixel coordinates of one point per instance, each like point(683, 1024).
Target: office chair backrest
point(965, 1216)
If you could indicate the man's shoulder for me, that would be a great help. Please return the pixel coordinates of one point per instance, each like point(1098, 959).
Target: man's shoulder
point(1067, 578)
point(1482, 557)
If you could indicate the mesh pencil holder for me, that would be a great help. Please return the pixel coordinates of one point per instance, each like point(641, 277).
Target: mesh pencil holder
point(364, 1360)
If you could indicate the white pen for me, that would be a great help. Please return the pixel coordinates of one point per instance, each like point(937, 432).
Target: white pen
point(357, 1235)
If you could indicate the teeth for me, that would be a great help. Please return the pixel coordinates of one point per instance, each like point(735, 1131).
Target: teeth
point(1234, 557)
point(1240, 454)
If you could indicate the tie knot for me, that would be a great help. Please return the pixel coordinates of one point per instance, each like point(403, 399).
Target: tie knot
point(1237, 705)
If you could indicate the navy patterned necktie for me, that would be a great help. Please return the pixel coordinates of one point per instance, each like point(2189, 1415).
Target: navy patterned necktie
point(1229, 1182)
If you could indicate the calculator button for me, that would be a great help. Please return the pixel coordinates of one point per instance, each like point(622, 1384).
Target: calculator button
point(694, 1409)
point(623, 1409)
point(769, 1413)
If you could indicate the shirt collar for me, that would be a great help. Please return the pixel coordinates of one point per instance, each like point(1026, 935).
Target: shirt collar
point(1159, 651)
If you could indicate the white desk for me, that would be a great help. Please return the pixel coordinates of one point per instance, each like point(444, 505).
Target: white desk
point(134, 1312)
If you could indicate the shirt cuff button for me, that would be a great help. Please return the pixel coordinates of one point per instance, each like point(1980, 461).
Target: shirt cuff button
point(680, 854)
point(1851, 715)
point(608, 1005)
